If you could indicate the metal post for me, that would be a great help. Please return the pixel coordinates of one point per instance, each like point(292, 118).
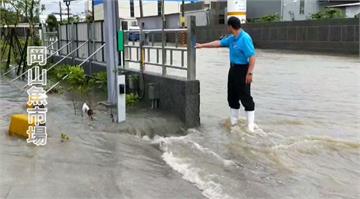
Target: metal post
point(77, 39)
point(102, 40)
point(93, 40)
point(60, 12)
point(182, 13)
point(89, 37)
point(191, 51)
point(58, 44)
point(110, 19)
point(142, 50)
point(59, 37)
point(67, 28)
point(142, 39)
point(67, 38)
point(73, 43)
point(163, 38)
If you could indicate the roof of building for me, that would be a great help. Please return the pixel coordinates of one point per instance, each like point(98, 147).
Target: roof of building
point(19, 25)
point(344, 5)
point(150, 16)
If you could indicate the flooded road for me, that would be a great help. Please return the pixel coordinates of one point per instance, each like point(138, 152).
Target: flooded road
point(101, 160)
point(307, 142)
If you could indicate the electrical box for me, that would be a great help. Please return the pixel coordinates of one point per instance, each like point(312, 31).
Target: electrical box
point(121, 101)
point(121, 89)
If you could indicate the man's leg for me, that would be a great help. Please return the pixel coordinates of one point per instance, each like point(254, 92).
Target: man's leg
point(248, 103)
point(246, 99)
point(233, 95)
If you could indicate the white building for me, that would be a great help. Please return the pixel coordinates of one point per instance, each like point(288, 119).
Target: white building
point(350, 9)
point(150, 8)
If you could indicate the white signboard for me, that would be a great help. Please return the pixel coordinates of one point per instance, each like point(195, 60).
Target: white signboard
point(98, 10)
point(237, 8)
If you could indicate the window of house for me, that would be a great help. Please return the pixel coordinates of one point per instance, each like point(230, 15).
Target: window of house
point(302, 7)
point(221, 19)
point(159, 7)
point(132, 14)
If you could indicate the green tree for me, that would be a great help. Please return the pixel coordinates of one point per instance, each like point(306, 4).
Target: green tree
point(8, 17)
point(19, 11)
point(52, 22)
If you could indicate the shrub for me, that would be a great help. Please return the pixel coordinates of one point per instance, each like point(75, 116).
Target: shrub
point(76, 82)
point(265, 19)
point(328, 13)
point(132, 99)
point(270, 18)
point(99, 80)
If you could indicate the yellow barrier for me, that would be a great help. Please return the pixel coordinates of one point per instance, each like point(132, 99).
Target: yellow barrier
point(19, 125)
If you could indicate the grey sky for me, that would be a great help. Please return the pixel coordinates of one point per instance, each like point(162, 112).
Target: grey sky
point(76, 7)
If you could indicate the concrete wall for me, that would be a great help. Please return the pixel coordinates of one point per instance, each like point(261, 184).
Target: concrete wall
point(336, 36)
point(260, 8)
point(178, 96)
point(291, 9)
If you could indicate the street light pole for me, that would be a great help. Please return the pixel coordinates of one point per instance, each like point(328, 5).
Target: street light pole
point(67, 3)
point(60, 11)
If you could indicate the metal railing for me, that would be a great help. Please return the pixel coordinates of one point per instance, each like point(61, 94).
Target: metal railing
point(147, 50)
point(166, 49)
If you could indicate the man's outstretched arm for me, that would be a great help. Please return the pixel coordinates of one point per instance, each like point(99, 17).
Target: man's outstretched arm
point(213, 44)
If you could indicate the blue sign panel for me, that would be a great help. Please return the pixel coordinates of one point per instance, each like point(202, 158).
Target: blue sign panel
point(192, 1)
point(97, 2)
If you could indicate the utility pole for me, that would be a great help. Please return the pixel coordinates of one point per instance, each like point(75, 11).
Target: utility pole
point(60, 11)
point(183, 14)
point(141, 8)
point(142, 38)
point(110, 19)
point(163, 38)
point(68, 11)
point(92, 10)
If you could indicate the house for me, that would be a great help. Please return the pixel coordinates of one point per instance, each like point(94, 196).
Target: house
point(303, 9)
point(154, 22)
point(350, 9)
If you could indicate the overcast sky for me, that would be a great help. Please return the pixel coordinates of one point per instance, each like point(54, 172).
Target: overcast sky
point(78, 6)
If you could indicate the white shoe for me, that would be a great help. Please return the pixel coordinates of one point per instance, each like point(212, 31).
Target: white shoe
point(234, 116)
point(250, 115)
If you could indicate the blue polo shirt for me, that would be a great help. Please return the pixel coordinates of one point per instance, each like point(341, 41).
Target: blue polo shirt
point(241, 47)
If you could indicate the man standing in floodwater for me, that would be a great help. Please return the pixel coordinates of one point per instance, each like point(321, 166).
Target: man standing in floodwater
point(242, 64)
